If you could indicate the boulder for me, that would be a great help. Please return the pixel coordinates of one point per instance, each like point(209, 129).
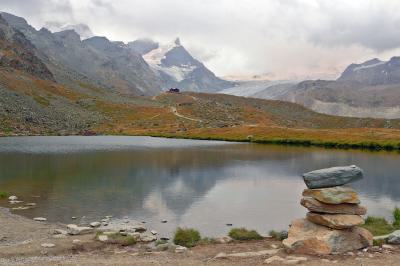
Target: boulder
point(223, 240)
point(332, 177)
point(394, 238)
point(73, 229)
point(314, 205)
point(95, 224)
point(333, 195)
point(306, 237)
point(335, 221)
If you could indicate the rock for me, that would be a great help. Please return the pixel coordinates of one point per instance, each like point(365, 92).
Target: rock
point(153, 232)
point(105, 220)
point(12, 198)
point(306, 237)
point(108, 216)
point(333, 195)
point(139, 228)
point(394, 238)
point(223, 240)
point(273, 259)
point(21, 208)
point(332, 177)
point(103, 238)
point(180, 249)
point(274, 246)
point(95, 224)
point(389, 247)
point(60, 232)
point(15, 201)
point(40, 219)
point(164, 221)
point(267, 252)
point(147, 238)
point(47, 245)
point(76, 241)
point(164, 238)
point(335, 221)
point(31, 204)
point(73, 229)
point(314, 205)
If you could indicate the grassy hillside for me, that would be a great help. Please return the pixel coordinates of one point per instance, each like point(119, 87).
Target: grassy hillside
point(33, 106)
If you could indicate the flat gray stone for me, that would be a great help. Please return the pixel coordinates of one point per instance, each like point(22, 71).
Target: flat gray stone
point(394, 238)
point(332, 177)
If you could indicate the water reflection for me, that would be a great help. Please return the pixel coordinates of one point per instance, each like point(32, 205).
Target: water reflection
point(196, 184)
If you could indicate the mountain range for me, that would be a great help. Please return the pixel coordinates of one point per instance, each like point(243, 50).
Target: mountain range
point(369, 89)
point(114, 65)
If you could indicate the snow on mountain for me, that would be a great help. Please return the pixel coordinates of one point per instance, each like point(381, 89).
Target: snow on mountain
point(256, 88)
point(177, 67)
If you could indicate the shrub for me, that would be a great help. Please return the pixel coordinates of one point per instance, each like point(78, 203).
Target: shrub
point(396, 216)
point(4, 195)
point(244, 234)
point(378, 226)
point(278, 235)
point(186, 237)
point(207, 241)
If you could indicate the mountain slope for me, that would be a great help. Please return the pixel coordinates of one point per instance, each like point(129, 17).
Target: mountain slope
point(109, 65)
point(177, 67)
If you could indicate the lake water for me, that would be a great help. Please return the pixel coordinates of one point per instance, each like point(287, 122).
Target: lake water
point(200, 184)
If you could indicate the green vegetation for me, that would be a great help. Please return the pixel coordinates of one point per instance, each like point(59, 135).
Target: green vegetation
point(378, 226)
point(207, 241)
point(4, 195)
point(396, 217)
point(117, 238)
point(160, 242)
point(278, 235)
point(244, 234)
point(186, 237)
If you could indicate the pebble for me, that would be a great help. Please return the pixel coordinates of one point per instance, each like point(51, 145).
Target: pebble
point(73, 217)
point(274, 246)
point(48, 245)
point(108, 216)
point(12, 197)
point(60, 232)
point(180, 249)
point(103, 238)
point(164, 221)
point(164, 238)
point(76, 241)
point(30, 204)
point(229, 224)
point(40, 219)
point(153, 232)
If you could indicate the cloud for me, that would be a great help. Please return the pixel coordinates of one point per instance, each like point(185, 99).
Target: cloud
point(286, 37)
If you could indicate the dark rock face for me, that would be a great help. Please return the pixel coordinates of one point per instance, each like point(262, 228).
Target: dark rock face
point(111, 65)
point(331, 177)
point(374, 72)
point(17, 52)
point(143, 46)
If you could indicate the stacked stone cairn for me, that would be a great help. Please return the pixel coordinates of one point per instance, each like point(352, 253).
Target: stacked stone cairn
point(332, 223)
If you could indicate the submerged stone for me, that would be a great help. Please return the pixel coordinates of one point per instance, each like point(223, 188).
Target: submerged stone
point(306, 237)
point(314, 205)
point(335, 221)
point(333, 195)
point(331, 177)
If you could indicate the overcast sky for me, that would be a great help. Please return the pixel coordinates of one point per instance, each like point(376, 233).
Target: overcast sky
point(286, 38)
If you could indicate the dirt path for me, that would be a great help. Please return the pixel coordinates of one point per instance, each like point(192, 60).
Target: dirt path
point(21, 240)
point(175, 112)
